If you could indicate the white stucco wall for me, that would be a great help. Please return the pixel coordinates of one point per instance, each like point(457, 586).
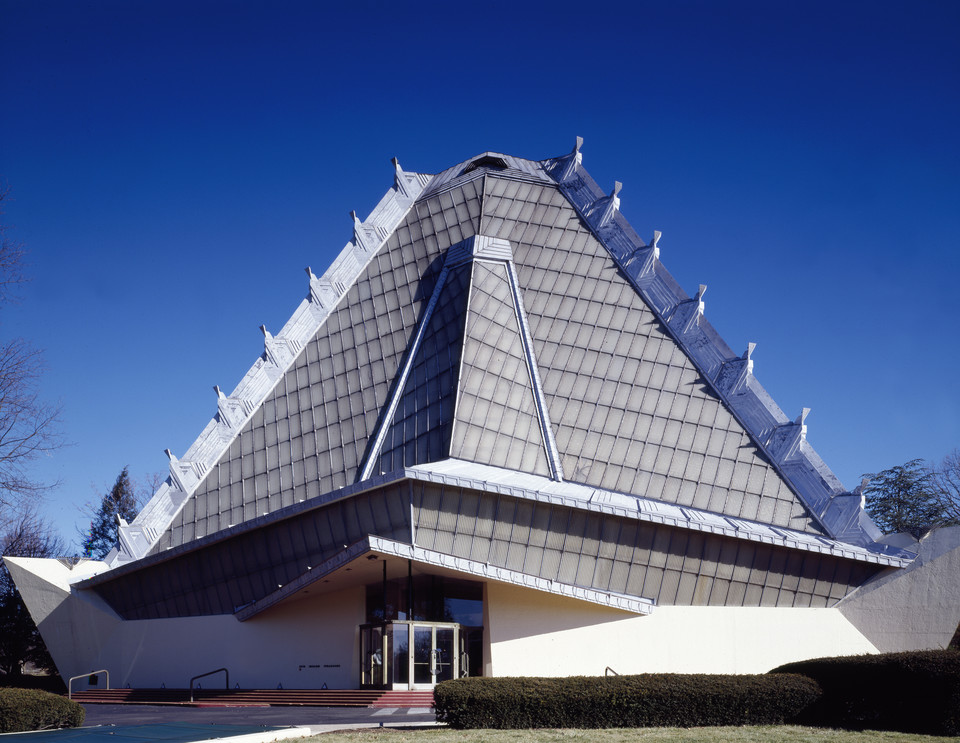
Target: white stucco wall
point(312, 640)
point(916, 608)
point(302, 643)
point(534, 633)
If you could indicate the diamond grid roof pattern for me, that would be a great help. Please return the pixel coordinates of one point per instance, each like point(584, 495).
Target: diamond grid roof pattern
point(496, 414)
point(631, 412)
point(310, 433)
point(421, 425)
point(607, 369)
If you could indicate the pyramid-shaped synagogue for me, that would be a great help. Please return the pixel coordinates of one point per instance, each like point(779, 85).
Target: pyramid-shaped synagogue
point(511, 327)
point(493, 327)
point(495, 404)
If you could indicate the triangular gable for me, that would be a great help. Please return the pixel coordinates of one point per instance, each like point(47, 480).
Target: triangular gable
point(310, 433)
point(421, 425)
point(631, 411)
point(466, 388)
point(626, 387)
point(497, 421)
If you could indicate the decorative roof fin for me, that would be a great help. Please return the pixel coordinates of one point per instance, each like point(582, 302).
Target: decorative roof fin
point(686, 314)
point(694, 320)
point(402, 181)
point(181, 472)
point(733, 373)
point(787, 438)
point(279, 351)
point(641, 263)
point(360, 236)
point(604, 208)
point(574, 160)
point(232, 411)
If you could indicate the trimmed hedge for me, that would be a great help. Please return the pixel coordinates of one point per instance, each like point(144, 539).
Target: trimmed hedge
point(52, 683)
point(647, 700)
point(32, 709)
point(912, 692)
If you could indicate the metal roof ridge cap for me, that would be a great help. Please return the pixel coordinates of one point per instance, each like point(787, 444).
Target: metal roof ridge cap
point(576, 181)
point(320, 288)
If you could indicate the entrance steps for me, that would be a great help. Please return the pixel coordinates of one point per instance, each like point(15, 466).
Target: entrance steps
point(259, 697)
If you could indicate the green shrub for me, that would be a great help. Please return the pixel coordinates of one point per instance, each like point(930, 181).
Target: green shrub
point(32, 709)
point(52, 683)
point(648, 700)
point(913, 692)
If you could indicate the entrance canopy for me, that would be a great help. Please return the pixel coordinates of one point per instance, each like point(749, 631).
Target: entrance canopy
point(354, 565)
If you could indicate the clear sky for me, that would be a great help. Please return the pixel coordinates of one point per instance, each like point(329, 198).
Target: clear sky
point(174, 166)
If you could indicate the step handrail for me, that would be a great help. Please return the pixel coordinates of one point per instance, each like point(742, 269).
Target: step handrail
point(91, 673)
point(210, 673)
point(608, 671)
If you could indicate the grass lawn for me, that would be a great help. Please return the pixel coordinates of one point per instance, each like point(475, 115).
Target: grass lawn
point(759, 734)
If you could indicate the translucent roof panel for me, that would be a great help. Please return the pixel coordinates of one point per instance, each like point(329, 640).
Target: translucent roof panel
point(630, 410)
point(309, 435)
point(496, 420)
point(420, 430)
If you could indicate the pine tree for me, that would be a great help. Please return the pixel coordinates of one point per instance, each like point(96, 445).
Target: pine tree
point(903, 499)
point(103, 534)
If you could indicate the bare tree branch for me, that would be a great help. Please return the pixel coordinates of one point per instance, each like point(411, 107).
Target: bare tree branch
point(28, 425)
point(945, 478)
point(11, 259)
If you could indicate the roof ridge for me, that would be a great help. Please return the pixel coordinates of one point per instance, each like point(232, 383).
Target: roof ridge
point(280, 352)
point(781, 440)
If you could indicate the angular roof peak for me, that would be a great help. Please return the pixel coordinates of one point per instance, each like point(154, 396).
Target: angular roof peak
point(502, 312)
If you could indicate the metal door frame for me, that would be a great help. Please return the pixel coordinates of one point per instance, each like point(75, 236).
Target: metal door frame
point(386, 665)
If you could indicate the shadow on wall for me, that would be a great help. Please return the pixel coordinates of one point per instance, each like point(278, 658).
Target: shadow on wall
point(517, 613)
point(914, 608)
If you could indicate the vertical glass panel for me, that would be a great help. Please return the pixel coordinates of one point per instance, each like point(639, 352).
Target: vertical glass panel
point(401, 653)
point(422, 655)
point(371, 654)
point(471, 651)
point(444, 655)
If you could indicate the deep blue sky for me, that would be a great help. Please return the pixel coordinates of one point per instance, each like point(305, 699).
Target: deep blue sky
point(174, 166)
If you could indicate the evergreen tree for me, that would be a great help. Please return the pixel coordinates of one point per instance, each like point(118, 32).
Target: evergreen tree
point(104, 533)
point(903, 499)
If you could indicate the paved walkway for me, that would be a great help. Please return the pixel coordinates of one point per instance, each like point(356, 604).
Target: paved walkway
point(134, 723)
point(173, 732)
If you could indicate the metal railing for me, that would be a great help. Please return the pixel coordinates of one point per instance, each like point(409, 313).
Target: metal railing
point(210, 673)
point(608, 671)
point(91, 673)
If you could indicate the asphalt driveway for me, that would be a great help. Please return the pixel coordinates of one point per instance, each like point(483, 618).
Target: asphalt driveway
point(339, 717)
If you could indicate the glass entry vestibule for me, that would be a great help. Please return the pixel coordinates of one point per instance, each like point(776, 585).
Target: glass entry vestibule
point(421, 629)
point(411, 655)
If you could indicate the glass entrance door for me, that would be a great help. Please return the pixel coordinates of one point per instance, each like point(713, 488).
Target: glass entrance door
point(435, 654)
point(372, 653)
point(409, 655)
